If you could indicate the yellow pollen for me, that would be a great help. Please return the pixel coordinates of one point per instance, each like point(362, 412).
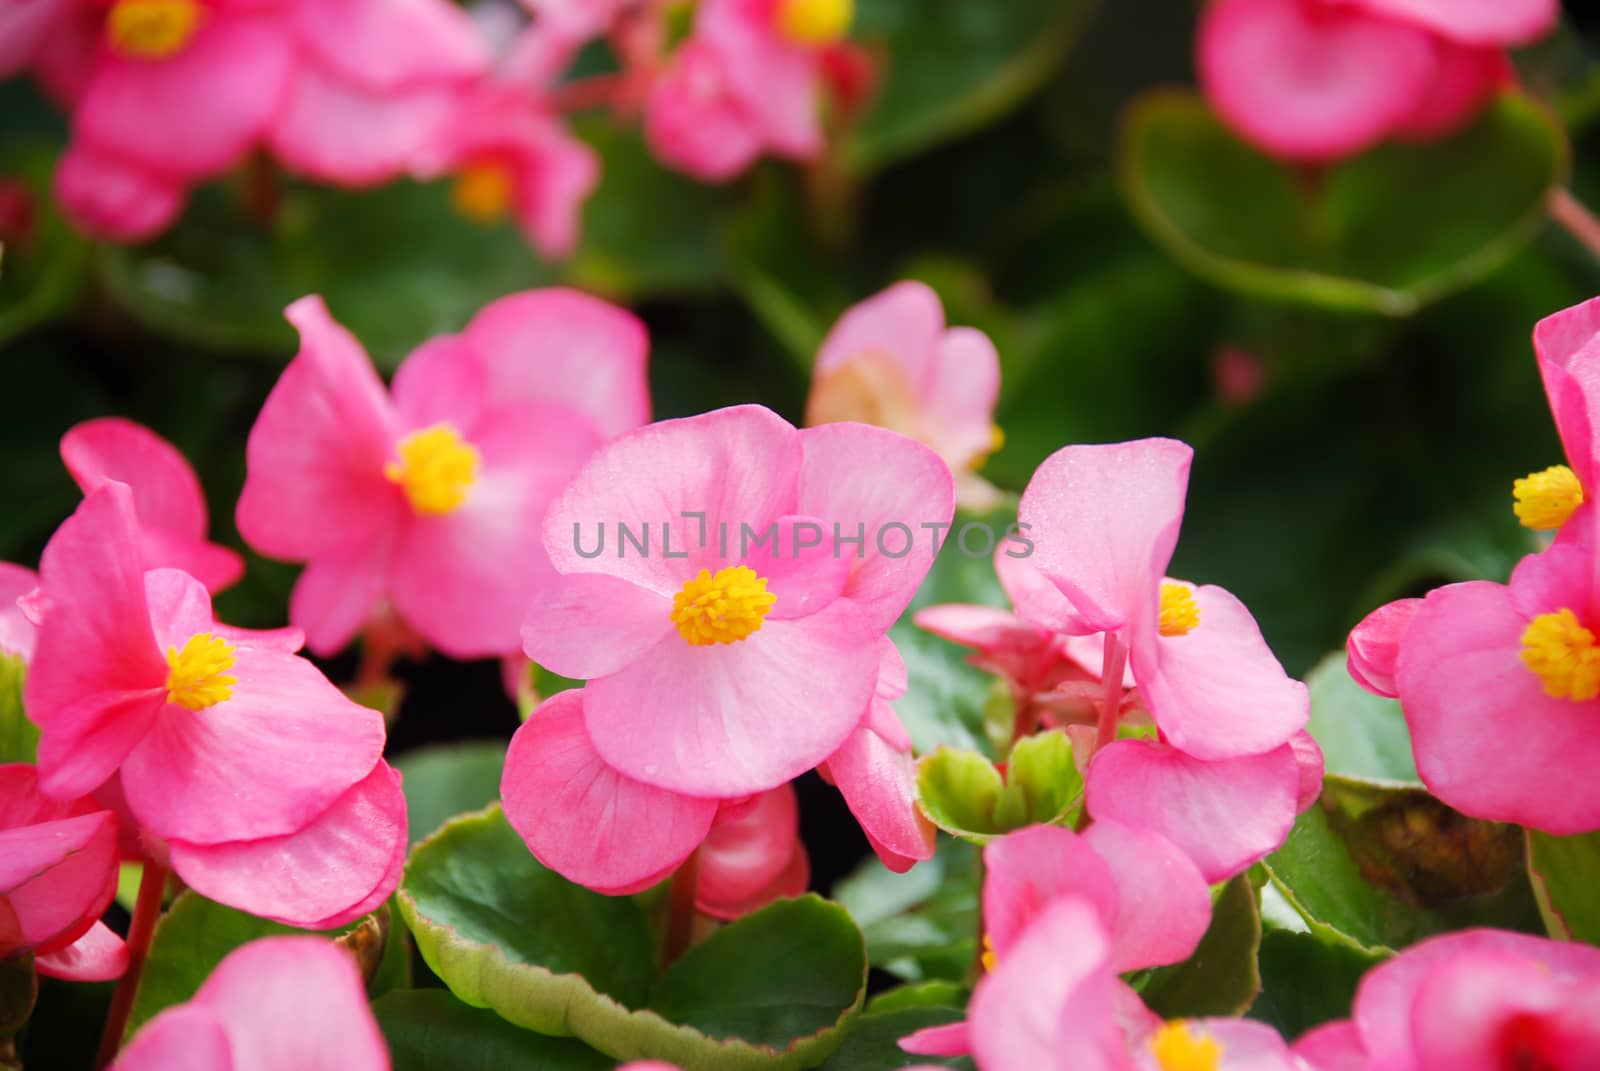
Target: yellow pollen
point(483, 192)
point(436, 469)
point(1176, 1049)
point(815, 22)
point(988, 959)
point(724, 608)
point(1546, 499)
point(196, 675)
point(152, 29)
point(1562, 654)
point(1179, 611)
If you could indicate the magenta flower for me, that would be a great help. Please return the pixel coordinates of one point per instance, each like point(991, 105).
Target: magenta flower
point(58, 874)
point(890, 361)
point(732, 657)
point(277, 1004)
point(1567, 345)
point(166, 495)
point(238, 763)
point(1224, 778)
point(420, 503)
point(17, 633)
point(1478, 999)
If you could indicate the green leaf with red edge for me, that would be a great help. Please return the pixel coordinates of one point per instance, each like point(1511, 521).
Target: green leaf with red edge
point(1566, 874)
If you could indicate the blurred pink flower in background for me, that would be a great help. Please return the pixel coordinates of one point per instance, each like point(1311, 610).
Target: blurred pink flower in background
point(426, 503)
point(203, 736)
point(891, 361)
point(277, 1004)
point(58, 874)
point(17, 634)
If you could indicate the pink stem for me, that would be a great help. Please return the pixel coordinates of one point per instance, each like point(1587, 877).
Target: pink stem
point(1111, 670)
point(146, 910)
point(1575, 218)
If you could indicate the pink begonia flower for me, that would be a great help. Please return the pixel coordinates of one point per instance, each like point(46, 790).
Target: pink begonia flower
point(743, 649)
point(1478, 1000)
point(207, 733)
point(166, 495)
point(891, 361)
point(168, 93)
point(421, 503)
point(58, 874)
point(752, 856)
point(1560, 498)
point(1104, 521)
point(1373, 649)
point(277, 1004)
point(17, 633)
point(748, 80)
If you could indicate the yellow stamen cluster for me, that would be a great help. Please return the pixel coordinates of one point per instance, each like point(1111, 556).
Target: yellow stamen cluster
point(815, 22)
point(1179, 611)
point(988, 959)
point(1176, 1048)
point(152, 29)
point(724, 608)
point(482, 192)
point(196, 675)
point(436, 469)
point(1563, 655)
point(1544, 500)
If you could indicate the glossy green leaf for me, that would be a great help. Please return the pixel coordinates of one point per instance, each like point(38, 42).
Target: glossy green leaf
point(771, 990)
point(1221, 978)
point(449, 779)
point(1307, 980)
point(964, 794)
point(922, 924)
point(1566, 876)
point(1385, 232)
point(19, 737)
point(428, 1029)
point(873, 1040)
point(1362, 735)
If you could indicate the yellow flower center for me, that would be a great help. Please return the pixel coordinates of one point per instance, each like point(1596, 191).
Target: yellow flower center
point(1177, 1049)
point(436, 469)
point(724, 608)
point(482, 192)
point(815, 22)
point(1179, 611)
point(196, 675)
point(989, 960)
point(1562, 654)
point(1546, 499)
point(152, 29)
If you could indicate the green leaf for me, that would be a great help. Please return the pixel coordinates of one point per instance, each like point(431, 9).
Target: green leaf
point(429, 1028)
point(922, 924)
point(1221, 978)
point(1386, 232)
point(769, 991)
point(952, 67)
point(42, 272)
point(445, 780)
point(1380, 867)
point(19, 737)
point(934, 994)
point(873, 1040)
point(1362, 735)
point(1566, 873)
point(1307, 980)
point(965, 795)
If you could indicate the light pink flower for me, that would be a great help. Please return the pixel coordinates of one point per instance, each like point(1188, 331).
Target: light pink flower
point(277, 1004)
point(1478, 1000)
point(206, 733)
point(17, 633)
point(427, 502)
point(166, 495)
point(891, 361)
point(733, 657)
point(1472, 22)
point(58, 874)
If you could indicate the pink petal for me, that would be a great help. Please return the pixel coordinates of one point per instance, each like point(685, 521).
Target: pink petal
point(1308, 759)
point(1029, 870)
point(181, 1038)
point(196, 113)
point(952, 1039)
point(1246, 1046)
point(295, 1002)
point(735, 719)
point(24, 26)
point(1309, 82)
point(464, 579)
point(590, 625)
point(559, 172)
point(1568, 347)
point(904, 323)
point(1465, 80)
point(98, 956)
point(215, 566)
point(894, 679)
point(1488, 740)
point(179, 604)
point(694, 120)
point(963, 387)
point(262, 763)
point(340, 590)
point(107, 196)
point(338, 131)
point(441, 382)
point(166, 492)
point(879, 783)
point(563, 346)
point(586, 821)
point(335, 869)
point(85, 741)
point(802, 566)
point(317, 450)
point(1374, 646)
point(58, 876)
point(1037, 599)
point(1163, 902)
point(1473, 22)
point(737, 466)
point(1218, 691)
point(17, 634)
point(1225, 813)
point(906, 491)
point(1332, 1047)
point(385, 45)
point(748, 849)
point(777, 83)
point(1465, 1010)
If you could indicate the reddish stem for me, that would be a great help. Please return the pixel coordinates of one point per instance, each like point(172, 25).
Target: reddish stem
point(680, 910)
point(1112, 666)
point(152, 887)
point(1575, 218)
